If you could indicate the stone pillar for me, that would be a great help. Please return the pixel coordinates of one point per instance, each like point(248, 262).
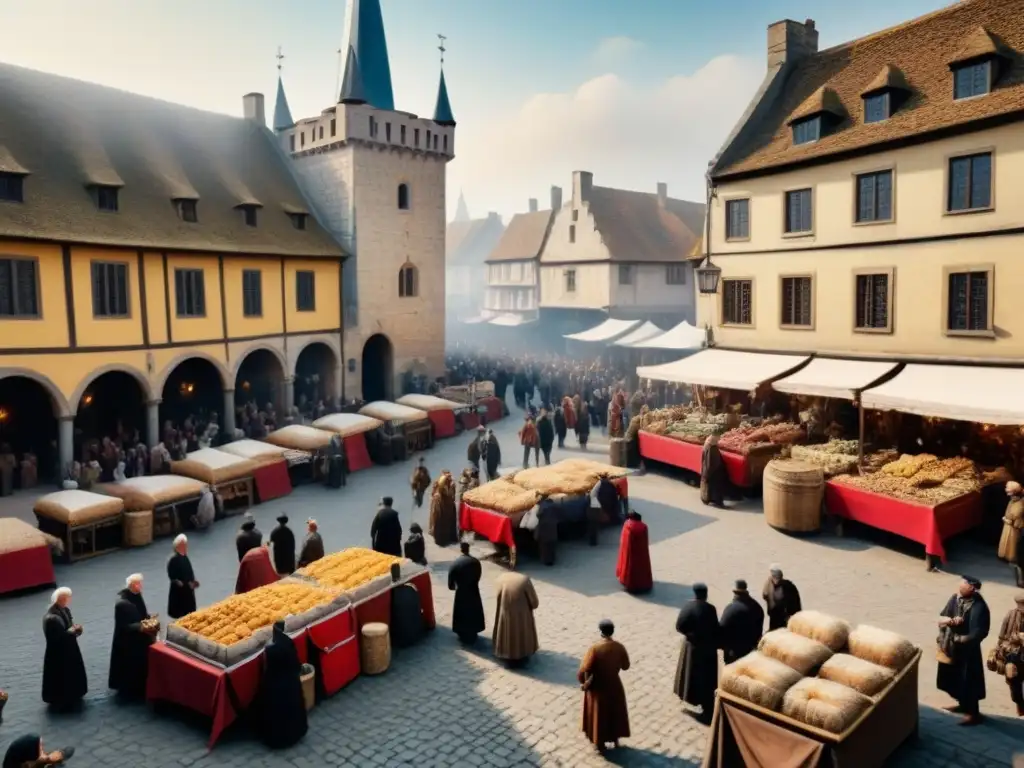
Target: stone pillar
point(339, 382)
point(289, 395)
point(153, 423)
point(66, 442)
point(229, 414)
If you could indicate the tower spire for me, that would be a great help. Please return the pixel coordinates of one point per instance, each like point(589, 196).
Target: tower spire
point(282, 114)
point(462, 211)
point(366, 64)
point(443, 108)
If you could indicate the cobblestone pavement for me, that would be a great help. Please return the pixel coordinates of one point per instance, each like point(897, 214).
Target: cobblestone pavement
point(441, 705)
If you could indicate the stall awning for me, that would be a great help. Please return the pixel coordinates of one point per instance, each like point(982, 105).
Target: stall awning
point(646, 331)
point(483, 317)
point(510, 320)
point(825, 377)
point(682, 336)
point(967, 393)
point(725, 369)
point(606, 331)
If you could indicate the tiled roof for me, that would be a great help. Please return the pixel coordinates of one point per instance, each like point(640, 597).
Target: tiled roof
point(635, 227)
point(523, 238)
point(68, 134)
point(822, 100)
point(922, 50)
point(889, 78)
point(470, 242)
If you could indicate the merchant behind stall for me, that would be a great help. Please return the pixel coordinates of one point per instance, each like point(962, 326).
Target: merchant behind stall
point(313, 545)
point(133, 634)
point(963, 625)
point(713, 474)
point(181, 595)
point(64, 679)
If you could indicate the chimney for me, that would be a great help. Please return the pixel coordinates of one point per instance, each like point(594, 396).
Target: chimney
point(556, 199)
point(252, 108)
point(582, 183)
point(533, 205)
point(662, 194)
point(493, 216)
point(789, 41)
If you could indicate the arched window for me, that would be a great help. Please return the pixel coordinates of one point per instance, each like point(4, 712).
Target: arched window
point(408, 282)
point(403, 197)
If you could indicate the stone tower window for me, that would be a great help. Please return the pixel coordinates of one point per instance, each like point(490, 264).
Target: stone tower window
point(403, 197)
point(408, 281)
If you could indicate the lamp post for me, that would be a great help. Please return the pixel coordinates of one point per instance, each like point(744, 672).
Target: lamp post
point(708, 275)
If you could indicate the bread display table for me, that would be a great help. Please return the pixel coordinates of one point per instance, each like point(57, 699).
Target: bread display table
point(493, 406)
point(272, 480)
point(87, 523)
point(353, 428)
point(173, 499)
point(496, 527)
point(744, 471)
point(228, 474)
point(25, 559)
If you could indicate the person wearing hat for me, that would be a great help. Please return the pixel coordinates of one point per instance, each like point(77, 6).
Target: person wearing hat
point(312, 546)
point(468, 480)
point(967, 618)
point(464, 580)
point(491, 455)
point(1010, 652)
point(282, 539)
point(249, 536)
point(1013, 528)
point(633, 569)
point(605, 713)
point(476, 447)
point(419, 482)
point(742, 624)
point(697, 670)
point(781, 597)
point(529, 440)
point(545, 433)
point(386, 529)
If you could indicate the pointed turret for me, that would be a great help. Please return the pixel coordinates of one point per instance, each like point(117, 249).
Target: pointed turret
point(443, 108)
point(367, 61)
point(352, 85)
point(461, 211)
point(282, 115)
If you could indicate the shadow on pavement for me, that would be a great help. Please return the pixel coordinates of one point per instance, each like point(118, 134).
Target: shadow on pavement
point(668, 594)
point(546, 665)
point(631, 756)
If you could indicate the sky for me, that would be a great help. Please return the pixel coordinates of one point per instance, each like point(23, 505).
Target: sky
point(635, 91)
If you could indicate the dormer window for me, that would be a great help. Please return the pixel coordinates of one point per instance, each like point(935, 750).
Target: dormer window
point(249, 214)
point(977, 65)
point(807, 130)
point(876, 108)
point(884, 95)
point(298, 220)
point(971, 80)
point(106, 198)
point(188, 210)
point(12, 187)
point(821, 112)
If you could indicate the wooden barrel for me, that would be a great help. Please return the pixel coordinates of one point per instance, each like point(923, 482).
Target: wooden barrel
point(375, 649)
point(793, 492)
point(138, 528)
point(308, 679)
point(617, 451)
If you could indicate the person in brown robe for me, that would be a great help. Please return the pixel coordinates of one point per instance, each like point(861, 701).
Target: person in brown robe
point(312, 546)
point(442, 523)
point(515, 631)
point(419, 482)
point(1013, 522)
point(713, 476)
point(781, 598)
point(1009, 652)
point(605, 714)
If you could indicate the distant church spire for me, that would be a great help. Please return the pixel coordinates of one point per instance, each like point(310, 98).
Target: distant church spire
point(443, 108)
point(367, 70)
point(282, 114)
point(462, 212)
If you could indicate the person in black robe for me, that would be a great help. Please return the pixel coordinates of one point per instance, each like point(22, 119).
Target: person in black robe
point(697, 671)
point(312, 545)
point(464, 580)
point(965, 620)
point(407, 626)
point(583, 426)
point(560, 427)
point(415, 548)
point(386, 529)
point(181, 595)
point(713, 474)
point(545, 434)
point(28, 750)
point(492, 455)
point(283, 541)
point(249, 536)
point(64, 679)
point(475, 449)
point(781, 597)
point(129, 652)
point(547, 532)
point(742, 624)
point(280, 710)
point(335, 474)
point(609, 500)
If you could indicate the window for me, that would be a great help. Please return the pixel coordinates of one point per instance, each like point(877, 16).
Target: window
point(407, 283)
point(302, 139)
point(305, 291)
point(416, 137)
point(12, 187)
point(252, 293)
point(575, 215)
point(334, 126)
point(625, 274)
point(428, 140)
point(387, 132)
point(291, 143)
point(298, 220)
point(876, 108)
point(403, 197)
point(970, 182)
point(435, 142)
point(799, 218)
point(737, 219)
point(797, 302)
point(249, 215)
point(373, 126)
point(737, 302)
point(109, 289)
point(572, 233)
point(874, 197)
point(675, 274)
point(445, 142)
point(188, 210)
point(968, 304)
point(106, 198)
point(401, 133)
point(321, 132)
point(806, 131)
point(872, 299)
point(972, 80)
point(190, 292)
point(19, 289)
point(570, 281)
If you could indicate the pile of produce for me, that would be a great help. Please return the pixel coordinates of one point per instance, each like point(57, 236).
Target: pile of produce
point(745, 438)
point(836, 457)
point(502, 496)
point(596, 468)
point(923, 478)
point(691, 425)
point(878, 459)
point(349, 568)
point(554, 480)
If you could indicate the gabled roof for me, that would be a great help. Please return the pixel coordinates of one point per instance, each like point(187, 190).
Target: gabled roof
point(470, 242)
point(921, 50)
point(889, 78)
point(67, 135)
point(524, 237)
point(369, 45)
point(8, 164)
point(823, 100)
point(634, 227)
point(282, 114)
point(979, 44)
point(443, 108)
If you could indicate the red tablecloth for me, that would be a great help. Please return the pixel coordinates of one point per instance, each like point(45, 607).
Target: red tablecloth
point(678, 453)
point(494, 526)
point(444, 423)
point(470, 420)
point(26, 568)
point(494, 409)
point(927, 525)
point(334, 651)
point(622, 486)
point(356, 453)
point(272, 481)
point(378, 609)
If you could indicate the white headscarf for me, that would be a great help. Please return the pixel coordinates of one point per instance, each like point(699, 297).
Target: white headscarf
point(58, 593)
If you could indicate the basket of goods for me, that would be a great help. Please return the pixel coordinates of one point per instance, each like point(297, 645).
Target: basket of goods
point(824, 704)
point(793, 492)
point(307, 676)
point(138, 528)
point(759, 679)
point(375, 649)
point(921, 479)
point(827, 630)
point(502, 496)
point(151, 624)
point(361, 573)
point(795, 651)
point(836, 457)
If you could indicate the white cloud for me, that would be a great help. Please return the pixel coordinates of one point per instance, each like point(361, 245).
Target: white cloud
point(614, 50)
point(630, 136)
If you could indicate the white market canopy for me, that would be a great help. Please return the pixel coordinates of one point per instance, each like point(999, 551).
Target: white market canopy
point(826, 377)
point(509, 321)
point(967, 393)
point(607, 331)
point(724, 369)
point(646, 331)
point(682, 336)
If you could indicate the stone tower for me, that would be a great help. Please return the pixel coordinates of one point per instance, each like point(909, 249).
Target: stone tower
point(376, 177)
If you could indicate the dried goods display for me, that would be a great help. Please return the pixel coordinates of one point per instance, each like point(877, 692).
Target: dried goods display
point(349, 568)
point(922, 478)
point(876, 460)
point(502, 496)
point(743, 439)
point(836, 457)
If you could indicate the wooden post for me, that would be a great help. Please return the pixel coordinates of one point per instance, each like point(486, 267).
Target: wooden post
point(860, 436)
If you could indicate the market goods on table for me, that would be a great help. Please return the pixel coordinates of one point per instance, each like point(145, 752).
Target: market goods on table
point(875, 460)
point(77, 507)
point(923, 478)
point(151, 491)
point(828, 630)
point(824, 704)
point(553, 480)
point(759, 679)
point(17, 535)
point(743, 439)
point(836, 457)
point(212, 466)
point(864, 676)
point(880, 646)
point(692, 425)
point(594, 467)
point(502, 496)
point(795, 651)
point(360, 572)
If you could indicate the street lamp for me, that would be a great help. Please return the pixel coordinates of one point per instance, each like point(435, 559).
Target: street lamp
point(708, 276)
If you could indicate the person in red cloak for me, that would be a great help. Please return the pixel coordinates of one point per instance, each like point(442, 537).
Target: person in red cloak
point(255, 570)
point(569, 411)
point(633, 569)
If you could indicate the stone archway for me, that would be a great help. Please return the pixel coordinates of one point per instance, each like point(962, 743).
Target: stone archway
point(111, 403)
point(193, 389)
point(260, 381)
point(29, 411)
point(378, 368)
point(316, 372)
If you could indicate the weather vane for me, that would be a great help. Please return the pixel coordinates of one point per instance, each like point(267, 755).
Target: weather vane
point(440, 39)
point(280, 58)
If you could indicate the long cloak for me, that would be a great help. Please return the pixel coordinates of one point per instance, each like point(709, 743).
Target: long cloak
point(1013, 522)
point(415, 549)
point(964, 679)
point(442, 523)
point(407, 627)
point(741, 627)
point(782, 600)
point(545, 433)
point(386, 532)
point(697, 670)
point(129, 652)
point(713, 475)
point(515, 631)
point(23, 751)
point(468, 612)
point(312, 549)
point(633, 569)
point(280, 709)
point(64, 679)
point(493, 457)
point(254, 571)
point(605, 714)
point(181, 598)
point(419, 482)
point(247, 539)
point(283, 540)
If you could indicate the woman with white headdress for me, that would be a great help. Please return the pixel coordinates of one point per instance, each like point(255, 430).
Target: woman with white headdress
point(129, 654)
point(64, 681)
point(181, 596)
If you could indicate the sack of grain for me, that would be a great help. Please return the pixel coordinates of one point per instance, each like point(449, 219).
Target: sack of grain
point(819, 626)
point(759, 680)
point(880, 646)
point(823, 704)
point(502, 496)
point(795, 651)
point(870, 679)
point(551, 480)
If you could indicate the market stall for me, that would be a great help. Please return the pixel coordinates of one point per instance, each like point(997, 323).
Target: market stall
point(229, 475)
point(352, 427)
point(412, 424)
point(86, 523)
point(270, 476)
point(441, 412)
point(25, 556)
point(604, 332)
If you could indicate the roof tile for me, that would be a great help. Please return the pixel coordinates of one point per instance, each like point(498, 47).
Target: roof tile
point(635, 227)
point(523, 238)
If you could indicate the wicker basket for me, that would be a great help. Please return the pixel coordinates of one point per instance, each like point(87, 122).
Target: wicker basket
point(138, 528)
point(308, 678)
point(617, 451)
point(375, 649)
point(793, 492)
